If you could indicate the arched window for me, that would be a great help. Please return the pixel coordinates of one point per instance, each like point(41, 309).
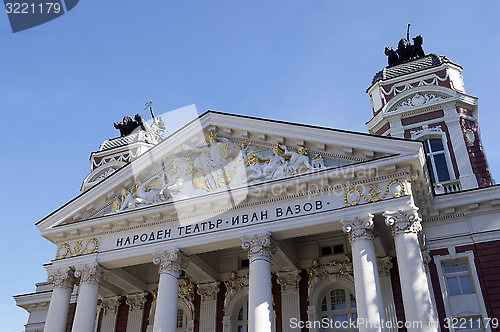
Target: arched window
point(437, 160)
point(181, 320)
point(242, 318)
point(339, 307)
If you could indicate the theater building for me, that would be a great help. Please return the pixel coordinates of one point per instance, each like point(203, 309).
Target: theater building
point(235, 224)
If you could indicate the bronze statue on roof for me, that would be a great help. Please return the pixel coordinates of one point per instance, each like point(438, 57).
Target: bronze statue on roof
point(406, 51)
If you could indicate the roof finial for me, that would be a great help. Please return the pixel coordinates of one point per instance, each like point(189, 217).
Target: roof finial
point(408, 32)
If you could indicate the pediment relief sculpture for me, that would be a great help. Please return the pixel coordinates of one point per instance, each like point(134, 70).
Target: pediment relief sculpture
point(418, 99)
point(214, 165)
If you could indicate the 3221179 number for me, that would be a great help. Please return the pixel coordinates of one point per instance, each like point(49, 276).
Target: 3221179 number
point(26, 8)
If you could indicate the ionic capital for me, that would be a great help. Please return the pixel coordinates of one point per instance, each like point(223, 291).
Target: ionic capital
point(289, 281)
point(90, 273)
point(136, 301)
point(62, 278)
point(403, 221)
point(170, 262)
point(258, 246)
point(208, 291)
point(359, 228)
point(111, 304)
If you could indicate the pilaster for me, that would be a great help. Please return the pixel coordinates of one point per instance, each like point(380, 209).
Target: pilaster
point(290, 297)
point(135, 304)
point(208, 306)
point(110, 312)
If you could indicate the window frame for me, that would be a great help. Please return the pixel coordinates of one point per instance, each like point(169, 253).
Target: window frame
point(467, 256)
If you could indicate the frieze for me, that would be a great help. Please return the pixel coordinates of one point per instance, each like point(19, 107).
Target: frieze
point(418, 99)
point(277, 208)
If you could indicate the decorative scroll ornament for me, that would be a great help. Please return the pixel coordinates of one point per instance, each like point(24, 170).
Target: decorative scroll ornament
point(395, 188)
point(425, 131)
point(90, 274)
point(170, 261)
point(333, 271)
point(289, 281)
point(64, 249)
point(417, 100)
point(208, 292)
point(403, 221)
point(258, 246)
point(136, 301)
point(233, 285)
point(360, 228)
point(62, 278)
point(186, 294)
point(111, 304)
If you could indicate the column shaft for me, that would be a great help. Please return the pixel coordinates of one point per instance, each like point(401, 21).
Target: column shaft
point(416, 297)
point(260, 299)
point(369, 303)
point(168, 290)
point(59, 303)
point(86, 306)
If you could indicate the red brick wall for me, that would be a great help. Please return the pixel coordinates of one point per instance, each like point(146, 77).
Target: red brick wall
point(396, 291)
point(476, 154)
point(220, 307)
point(197, 303)
point(121, 319)
point(71, 316)
point(276, 288)
point(422, 117)
point(304, 303)
point(383, 129)
point(436, 287)
point(147, 309)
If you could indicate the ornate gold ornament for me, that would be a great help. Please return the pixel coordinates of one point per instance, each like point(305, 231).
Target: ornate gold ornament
point(253, 159)
point(302, 150)
point(212, 135)
point(225, 178)
point(281, 152)
point(78, 250)
point(396, 188)
point(317, 156)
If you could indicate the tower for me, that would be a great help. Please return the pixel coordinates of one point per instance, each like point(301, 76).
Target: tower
point(423, 98)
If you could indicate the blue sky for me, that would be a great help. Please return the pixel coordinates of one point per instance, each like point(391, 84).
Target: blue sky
point(64, 83)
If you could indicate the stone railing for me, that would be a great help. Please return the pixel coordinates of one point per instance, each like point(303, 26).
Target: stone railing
point(445, 187)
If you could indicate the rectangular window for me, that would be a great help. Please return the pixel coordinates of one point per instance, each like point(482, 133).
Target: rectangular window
point(458, 279)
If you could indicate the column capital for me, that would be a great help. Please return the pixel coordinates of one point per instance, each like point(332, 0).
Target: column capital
point(258, 246)
point(90, 273)
point(111, 304)
point(403, 221)
point(359, 228)
point(384, 265)
point(208, 291)
point(170, 261)
point(136, 301)
point(289, 281)
point(62, 278)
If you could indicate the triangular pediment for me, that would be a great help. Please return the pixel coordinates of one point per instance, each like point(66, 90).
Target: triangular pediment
point(217, 153)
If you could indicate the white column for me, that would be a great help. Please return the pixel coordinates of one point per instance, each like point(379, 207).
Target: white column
point(384, 267)
point(368, 292)
point(260, 298)
point(135, 304)
point(208, 306)
point(168, 290)
point(290, 298)
point(405, 226)
point(110, 312)
point(86, 306)
point(63, 281)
